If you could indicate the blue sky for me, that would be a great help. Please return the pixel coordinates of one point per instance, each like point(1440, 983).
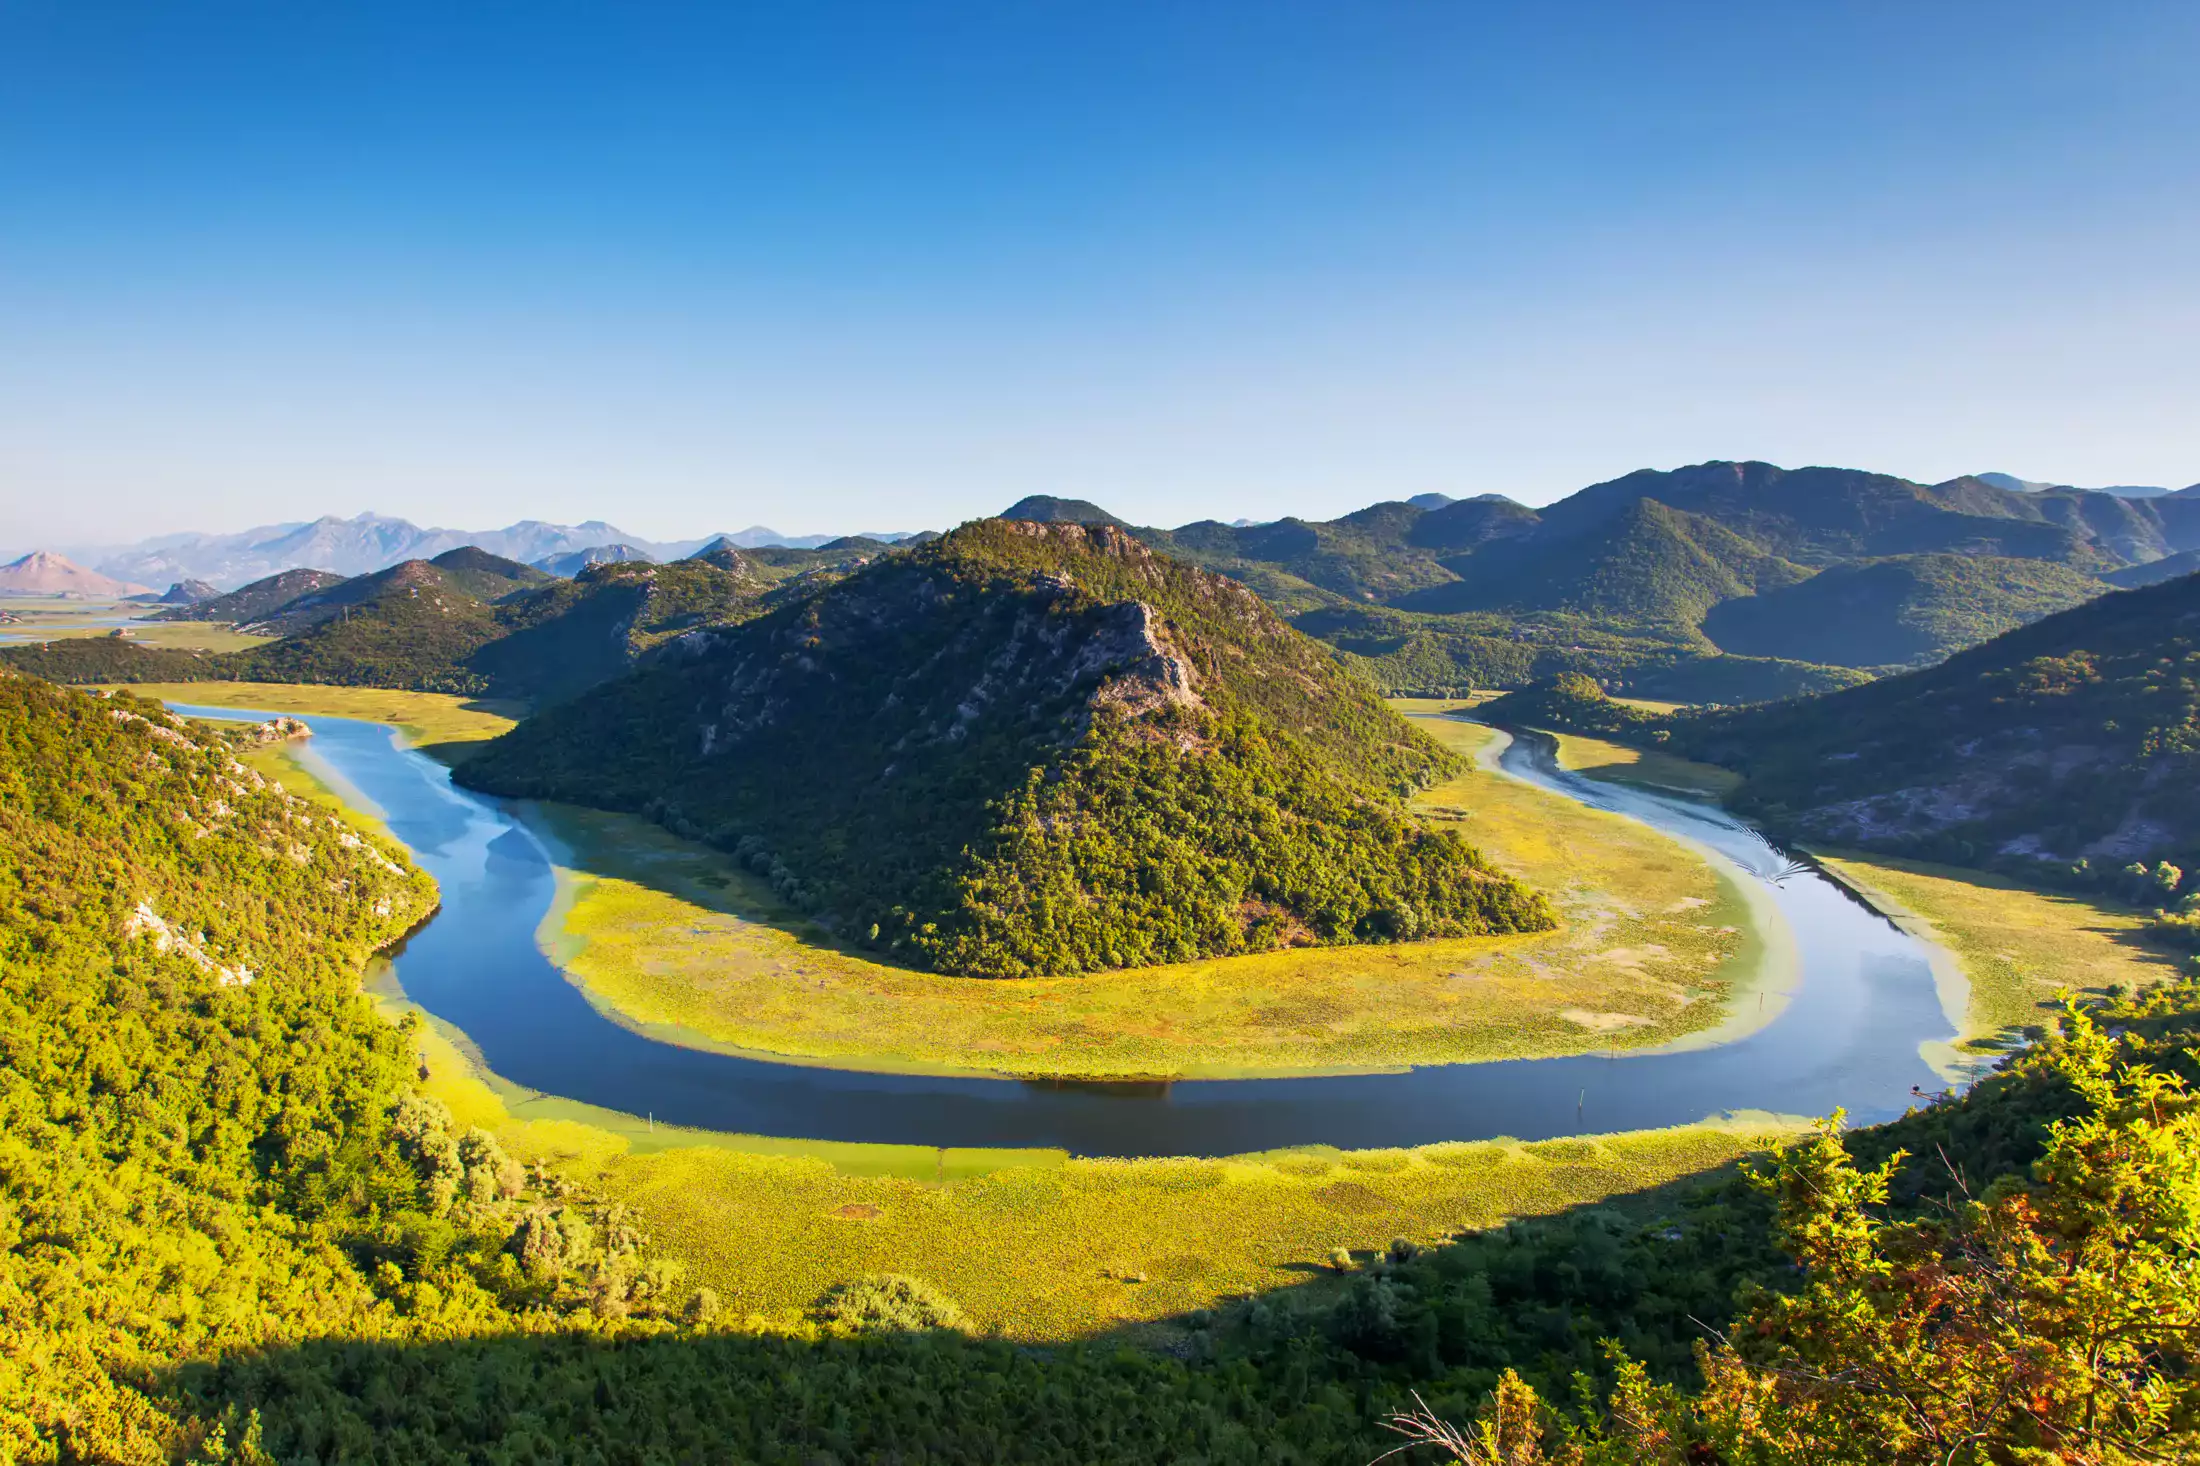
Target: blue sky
point(834, 265)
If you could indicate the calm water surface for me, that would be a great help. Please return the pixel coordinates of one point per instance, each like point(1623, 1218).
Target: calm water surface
point(1848, 1037)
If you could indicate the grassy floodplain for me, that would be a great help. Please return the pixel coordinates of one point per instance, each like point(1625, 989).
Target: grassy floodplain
point(1033, 1245)
point(434, 722)
point(2014, 947)
point(50, 618)
point(1041, 1246)
point(671, 936)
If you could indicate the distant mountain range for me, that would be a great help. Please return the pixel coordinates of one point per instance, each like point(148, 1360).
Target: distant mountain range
point(1717, 582)
point(370, 542)
point(2121, 491)
point(41, 573)
point(465, 621)
point(1726, 582)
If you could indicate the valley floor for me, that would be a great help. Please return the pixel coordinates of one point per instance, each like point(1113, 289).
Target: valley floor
point(50, 618)
point(1042, 1246)
point(668, 934)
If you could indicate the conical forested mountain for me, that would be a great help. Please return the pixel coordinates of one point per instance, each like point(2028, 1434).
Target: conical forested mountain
point(1032, 747)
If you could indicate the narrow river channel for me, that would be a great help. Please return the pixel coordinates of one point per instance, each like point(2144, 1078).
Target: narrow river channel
point(1861, 1005)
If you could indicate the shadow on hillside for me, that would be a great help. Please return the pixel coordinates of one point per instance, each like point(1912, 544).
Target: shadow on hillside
point(1300, 1373)
point(627, 847)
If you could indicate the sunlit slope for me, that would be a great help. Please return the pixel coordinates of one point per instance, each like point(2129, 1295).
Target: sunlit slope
point(1032, 748)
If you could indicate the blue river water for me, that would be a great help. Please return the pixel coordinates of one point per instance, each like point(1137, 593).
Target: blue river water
point(1849, 1035)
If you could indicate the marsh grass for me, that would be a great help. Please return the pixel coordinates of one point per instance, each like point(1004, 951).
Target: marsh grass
point(1038, 1245)
point(671, 937)
point(1600, 759)
point(2014, 946)
point(47, 618)
point(438, 724)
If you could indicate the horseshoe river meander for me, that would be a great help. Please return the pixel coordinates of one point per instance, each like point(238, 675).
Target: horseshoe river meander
point(1860, 1012)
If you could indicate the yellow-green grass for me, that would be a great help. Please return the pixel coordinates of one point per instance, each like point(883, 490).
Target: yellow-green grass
point(1602, 759)
point(1599, 758)
point(435, 723)
point(2014, 947)
point(1039, 1245)
point(675, 939)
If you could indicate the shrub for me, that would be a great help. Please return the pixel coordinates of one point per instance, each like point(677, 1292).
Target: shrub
point(887, 1303)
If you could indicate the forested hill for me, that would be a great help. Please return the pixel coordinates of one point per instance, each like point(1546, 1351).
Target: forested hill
point(1694, 584)
point(465, 622)
point(2075, 738)
point(252, 603)
point(1031, 748)
point(207, 1140)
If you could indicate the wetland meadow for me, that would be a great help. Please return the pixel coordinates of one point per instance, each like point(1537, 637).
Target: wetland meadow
point(671, 938)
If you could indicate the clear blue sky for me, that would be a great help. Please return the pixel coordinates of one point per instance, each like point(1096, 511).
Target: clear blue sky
point(830, 266)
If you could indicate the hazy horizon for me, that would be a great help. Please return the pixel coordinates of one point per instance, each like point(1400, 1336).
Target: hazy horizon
point(12, 549)
point(855, 266)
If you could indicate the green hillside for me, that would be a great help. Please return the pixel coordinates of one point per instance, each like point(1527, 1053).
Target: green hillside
point(208, 1140)
point(1046, 509)
point(1365, 556)
point(1623, 580)
point(1648, 566)
point(1032, 748)
point(413, 626)
point(1908, 609)
point(250, 603)
point(488, 577)
point(1822, 516)
point(423, 626)
point(2074, 738)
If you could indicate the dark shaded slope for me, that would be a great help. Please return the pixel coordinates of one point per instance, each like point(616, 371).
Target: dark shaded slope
point(1031, 748)
point(1906, 609)
point(568, 637)
point(2154, 572)
point(2077, 737)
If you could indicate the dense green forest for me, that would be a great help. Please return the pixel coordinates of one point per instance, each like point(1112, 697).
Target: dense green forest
point(207, 1140)
point(1024, 749)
